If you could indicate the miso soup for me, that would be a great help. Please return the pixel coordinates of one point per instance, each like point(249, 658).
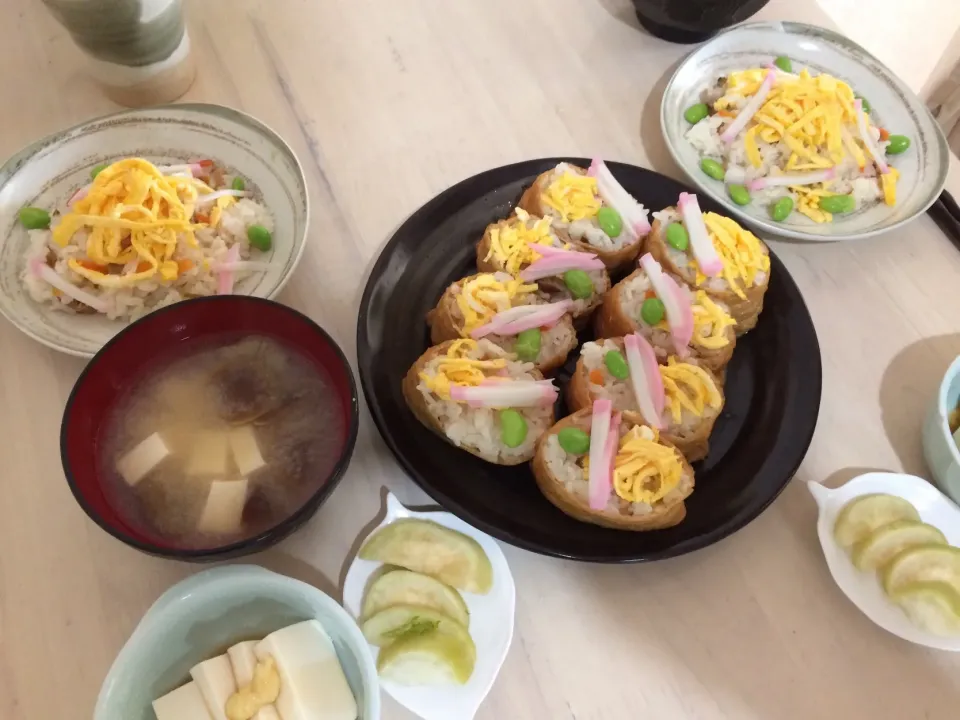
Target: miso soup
point(222, 443)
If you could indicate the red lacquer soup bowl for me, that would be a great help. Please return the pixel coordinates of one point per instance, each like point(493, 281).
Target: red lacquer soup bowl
point(175, 332)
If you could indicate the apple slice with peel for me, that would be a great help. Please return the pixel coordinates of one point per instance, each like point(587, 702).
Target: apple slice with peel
point(888, 540)
point(432, 549)
point(401, 621)
point(403, 587)
point(433, 658)
point(862, 515)
point(922, 563)
point(932, 605)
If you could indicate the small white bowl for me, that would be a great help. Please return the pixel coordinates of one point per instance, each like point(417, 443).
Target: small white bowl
point(48, 172)
point(939, 447)
point(491, 624)
point(863, 588)
point(205, 614)
point(923, 168)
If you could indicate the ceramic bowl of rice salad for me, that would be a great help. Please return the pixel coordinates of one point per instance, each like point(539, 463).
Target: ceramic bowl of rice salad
point(110, 220)
point(802, 133)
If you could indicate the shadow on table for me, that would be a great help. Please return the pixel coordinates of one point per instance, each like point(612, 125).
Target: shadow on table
point(908, 387)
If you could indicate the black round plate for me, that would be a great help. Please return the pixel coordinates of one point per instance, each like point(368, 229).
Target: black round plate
point(772, 386)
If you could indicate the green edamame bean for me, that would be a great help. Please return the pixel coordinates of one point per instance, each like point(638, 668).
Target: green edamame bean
point(34, 218)
point(98, 169)
point(838, 203)
point(513, 428)
point(610, 221)
point(259, 237)
point(897, 144)
point(578, 283)
point(574, 440)
point(739, 194)
point(867, 107)
point(617, 364)
point(527, 346)
point(781, 209)
point(784, 63)
point(652, 311)
point(677, 236)
point(238, 183)
point(712, 168)
point(696, 113)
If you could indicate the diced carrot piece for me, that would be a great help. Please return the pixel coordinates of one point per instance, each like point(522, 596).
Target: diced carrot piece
point(596, 377)
point(884, 134)
point(725, 113)
point(91, 265)
point(201, 218)
point(184, 265)
point(649, 294)
point(205, 163)
point(144, 266)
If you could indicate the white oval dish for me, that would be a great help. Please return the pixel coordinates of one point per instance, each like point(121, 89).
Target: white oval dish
point(923, 168)
point(491, 624)
point(863, 588)
point(48, 172)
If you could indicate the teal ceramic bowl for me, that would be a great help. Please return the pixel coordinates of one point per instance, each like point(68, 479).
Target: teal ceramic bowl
point(205, 614)
point(939, 448)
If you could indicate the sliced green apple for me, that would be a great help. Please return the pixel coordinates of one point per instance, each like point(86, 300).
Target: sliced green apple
point(434, 658)
point(886, 541)
point(862, 515)
point(401, 621)
point(932, 605)
point(404, 587)
point(922, 563)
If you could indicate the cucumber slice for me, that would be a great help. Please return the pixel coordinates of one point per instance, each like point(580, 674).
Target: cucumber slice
point(933, 606)
point(427, 547)
point(436, 658)
point(888, 540)
point(862, 515)
point(922, 563)
point(402, 621)
point(403, 587)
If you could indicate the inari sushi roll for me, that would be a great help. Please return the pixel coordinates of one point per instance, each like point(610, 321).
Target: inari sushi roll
point(715, 254)
point(527, 247)
point(673, 319)
point(480, 398)
point(509, 313)
point(680, 399)
point(609, 469)
point(591, 209)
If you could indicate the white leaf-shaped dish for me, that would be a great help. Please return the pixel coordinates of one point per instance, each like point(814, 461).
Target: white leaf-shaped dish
point(491, 624)
point(863, 588)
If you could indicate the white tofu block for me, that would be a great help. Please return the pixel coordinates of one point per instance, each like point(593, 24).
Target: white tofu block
point(223, 512)
point(246, 452)
point(209, 455)
point(214, 678)
point(312, 683)
point(184, 703)
point(243, 660)
point(135, 465)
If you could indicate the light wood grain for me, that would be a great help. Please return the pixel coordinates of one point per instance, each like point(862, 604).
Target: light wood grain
point(388, 103)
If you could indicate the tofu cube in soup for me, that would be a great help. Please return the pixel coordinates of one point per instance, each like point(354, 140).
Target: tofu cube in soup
point(136, 464)
point(223, 511)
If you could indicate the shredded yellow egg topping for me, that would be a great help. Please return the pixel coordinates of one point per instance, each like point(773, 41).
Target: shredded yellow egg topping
point(485, 295)
point(513, 241)
point(456, 367)
point(688, 386)
point(815, 117)
point(132, 213)
point(573, 196)
point(740, 251)
point(644, 471)
point(710, 323)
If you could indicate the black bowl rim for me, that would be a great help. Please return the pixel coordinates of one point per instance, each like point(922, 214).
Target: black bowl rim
point(269, 537)
point(812, 399)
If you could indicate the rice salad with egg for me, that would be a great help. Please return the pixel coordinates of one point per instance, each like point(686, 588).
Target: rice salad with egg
point(140, 237)
point(791, 141)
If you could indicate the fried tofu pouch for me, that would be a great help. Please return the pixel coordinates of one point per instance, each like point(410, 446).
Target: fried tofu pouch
point(746, 259)
point(713, 338)
point(487, 294)
point(510, 246)
point(563, 481)
point(584, 232)
point(477, 430)
point(693, 395)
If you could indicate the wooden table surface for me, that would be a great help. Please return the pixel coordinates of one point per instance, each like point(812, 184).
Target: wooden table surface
point(387, 104)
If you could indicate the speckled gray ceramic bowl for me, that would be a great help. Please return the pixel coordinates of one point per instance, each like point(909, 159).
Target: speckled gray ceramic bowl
point(48, 172)
point(923, 169)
